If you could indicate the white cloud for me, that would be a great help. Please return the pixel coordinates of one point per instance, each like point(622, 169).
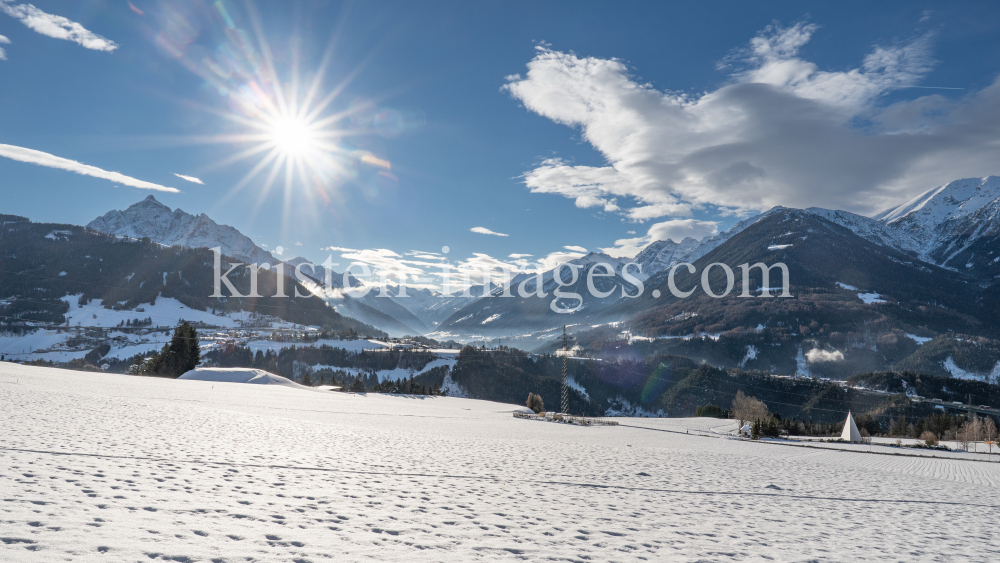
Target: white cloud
point(45, 159)
point(55, 26)
point(485, 231)
point(576, 249)
point(817, 355)
point(189, 178)
point(553, 259)
point(680, 229)
point(675, 229)
point(780, 131)
point(516, 256)
point(3, 41)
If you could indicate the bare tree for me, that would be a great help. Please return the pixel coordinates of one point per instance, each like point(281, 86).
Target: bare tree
point(962, 436)
point(976, 430)
point(749, 409)
point(969, 432)
point(990, 432)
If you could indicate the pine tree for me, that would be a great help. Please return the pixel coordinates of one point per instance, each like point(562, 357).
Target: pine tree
point(181, 355)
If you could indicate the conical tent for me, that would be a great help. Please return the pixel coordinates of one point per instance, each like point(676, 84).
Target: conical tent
point(850, 432)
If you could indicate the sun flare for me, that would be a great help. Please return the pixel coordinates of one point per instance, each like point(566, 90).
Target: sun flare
point(294, 137)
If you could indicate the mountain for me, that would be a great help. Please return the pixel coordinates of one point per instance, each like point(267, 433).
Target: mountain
point(433, 307)
point(51, 271)
point(150, 218)
point(661, 255)
point(856, 306)
point(529, 318)
point(956, 226)
point(949, 220)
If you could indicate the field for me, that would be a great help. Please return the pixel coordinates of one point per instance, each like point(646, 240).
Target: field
point(98, 467)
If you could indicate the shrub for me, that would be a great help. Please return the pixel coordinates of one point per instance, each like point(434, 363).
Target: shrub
point(535, 403)
point(929, 438)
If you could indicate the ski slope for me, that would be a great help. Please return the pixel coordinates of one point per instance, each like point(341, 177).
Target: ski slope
point(107, 467)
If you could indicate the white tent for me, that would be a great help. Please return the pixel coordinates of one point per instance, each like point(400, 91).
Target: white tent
point(850, 433)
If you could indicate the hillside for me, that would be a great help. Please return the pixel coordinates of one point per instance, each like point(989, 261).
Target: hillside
point(43, 263)
point(856, 306)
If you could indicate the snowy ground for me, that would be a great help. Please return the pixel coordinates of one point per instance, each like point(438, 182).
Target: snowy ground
point(117, 468)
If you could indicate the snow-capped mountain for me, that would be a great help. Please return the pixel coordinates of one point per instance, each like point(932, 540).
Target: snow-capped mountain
point(870, 229)
point(946, 220)
point(954, 225)
point(150, 218)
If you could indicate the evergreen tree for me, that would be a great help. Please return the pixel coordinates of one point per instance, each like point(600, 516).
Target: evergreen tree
point(181, 355)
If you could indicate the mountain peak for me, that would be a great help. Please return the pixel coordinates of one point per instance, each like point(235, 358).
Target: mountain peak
point(150, 218)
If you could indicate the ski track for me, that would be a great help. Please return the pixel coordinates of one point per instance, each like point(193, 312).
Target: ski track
point(101, 467)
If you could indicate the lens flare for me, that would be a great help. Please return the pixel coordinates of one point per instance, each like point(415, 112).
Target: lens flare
point(656, 383)
point(284, 125)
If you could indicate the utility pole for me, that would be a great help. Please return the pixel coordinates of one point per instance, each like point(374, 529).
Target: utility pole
point(565, 374)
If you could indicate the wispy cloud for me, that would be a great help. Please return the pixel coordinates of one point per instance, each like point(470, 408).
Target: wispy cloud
point(189, 178)
point(485, 231)
point(3, 41)
point(40, 158)
point(55, 26)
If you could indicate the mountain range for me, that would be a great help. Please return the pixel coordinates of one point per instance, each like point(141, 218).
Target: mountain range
point(953, 226)
point(915, 272)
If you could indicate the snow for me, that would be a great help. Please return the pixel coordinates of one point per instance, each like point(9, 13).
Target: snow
point(958, 373)
point(751, 354)
point(150, 218)
point(779, 246)
point(802, 364)
point(392, 374)
point(166, 312)
point(349, 345)
point(492, 318)
point(106, 467)
point(239, 375)
point(959, 212)
point(847, 287)
point(452, 388)
point(870, 298)
point(575, 385)
point(920, 340)
point(54, 235)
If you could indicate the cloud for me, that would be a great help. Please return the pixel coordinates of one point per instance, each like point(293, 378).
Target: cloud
point(675, 229)
point(817, 355)
point(3, 41)
point(55, 26)
point(779, 131)
point(516, 256)
point(45, 159)
point(576, 249)
point(485, 231)
point(189, 178)
point(680, 229)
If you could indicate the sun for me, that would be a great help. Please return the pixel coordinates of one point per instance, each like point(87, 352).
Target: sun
point(294, 137)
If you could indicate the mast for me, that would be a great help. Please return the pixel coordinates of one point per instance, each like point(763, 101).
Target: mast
point(565, 373)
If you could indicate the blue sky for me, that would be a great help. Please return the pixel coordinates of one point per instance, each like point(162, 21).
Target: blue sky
point(587, 125)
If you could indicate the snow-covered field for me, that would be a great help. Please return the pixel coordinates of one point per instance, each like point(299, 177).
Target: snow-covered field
point(118, 468)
